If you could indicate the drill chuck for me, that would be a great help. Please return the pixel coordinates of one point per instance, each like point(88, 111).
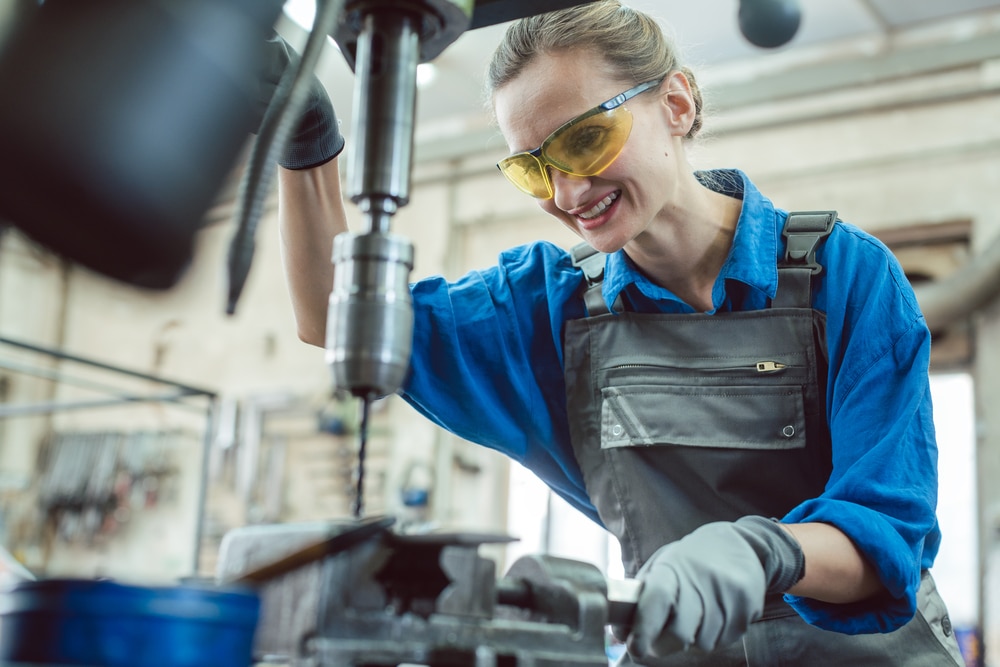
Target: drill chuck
point(370, 315)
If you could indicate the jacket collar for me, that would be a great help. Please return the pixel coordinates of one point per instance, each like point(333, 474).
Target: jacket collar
point(751, 260)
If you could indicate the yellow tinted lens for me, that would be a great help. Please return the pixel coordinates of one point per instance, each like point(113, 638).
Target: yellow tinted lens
point(586, 147)
point(527, 173)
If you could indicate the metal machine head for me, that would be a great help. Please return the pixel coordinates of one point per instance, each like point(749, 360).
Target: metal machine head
point(370, 318)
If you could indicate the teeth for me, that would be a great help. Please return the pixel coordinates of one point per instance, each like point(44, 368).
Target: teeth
point(599, 208)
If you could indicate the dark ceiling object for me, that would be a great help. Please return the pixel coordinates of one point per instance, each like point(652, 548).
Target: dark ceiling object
point(491, 12)
point(119, 121)
point(121, 118)
point(769, 23)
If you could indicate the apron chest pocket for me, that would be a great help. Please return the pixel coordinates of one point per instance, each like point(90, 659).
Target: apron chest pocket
point(736, 417)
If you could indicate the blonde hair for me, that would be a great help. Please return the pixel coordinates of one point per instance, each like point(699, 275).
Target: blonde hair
point(630, 41)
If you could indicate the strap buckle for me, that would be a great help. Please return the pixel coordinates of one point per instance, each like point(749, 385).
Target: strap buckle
point(803, 233)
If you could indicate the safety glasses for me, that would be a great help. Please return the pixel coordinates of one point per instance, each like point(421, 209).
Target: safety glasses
point(583, 146)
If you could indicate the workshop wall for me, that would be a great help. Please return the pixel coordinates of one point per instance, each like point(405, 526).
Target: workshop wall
point(253, 358)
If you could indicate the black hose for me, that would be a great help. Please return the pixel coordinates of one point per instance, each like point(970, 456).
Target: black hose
point(282, 114)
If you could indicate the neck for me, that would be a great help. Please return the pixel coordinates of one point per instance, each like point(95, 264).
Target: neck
point(685, 247)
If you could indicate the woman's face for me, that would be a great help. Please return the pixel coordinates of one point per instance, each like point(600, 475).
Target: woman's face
point(619, 204)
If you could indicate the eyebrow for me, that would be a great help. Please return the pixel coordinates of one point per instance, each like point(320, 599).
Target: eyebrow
point(556, 129)
point(606, 105)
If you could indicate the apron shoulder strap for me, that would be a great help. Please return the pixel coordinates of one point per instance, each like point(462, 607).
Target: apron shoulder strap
point(591, 262)
point(804, 232)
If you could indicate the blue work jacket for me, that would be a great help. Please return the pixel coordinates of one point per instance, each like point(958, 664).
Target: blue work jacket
point(487, 365)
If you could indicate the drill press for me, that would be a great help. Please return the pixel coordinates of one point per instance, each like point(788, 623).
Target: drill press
point(370, 315)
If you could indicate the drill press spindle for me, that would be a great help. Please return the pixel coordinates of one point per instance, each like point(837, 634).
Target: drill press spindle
point(370, 316)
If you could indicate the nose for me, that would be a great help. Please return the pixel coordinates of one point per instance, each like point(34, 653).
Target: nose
point(568, 190)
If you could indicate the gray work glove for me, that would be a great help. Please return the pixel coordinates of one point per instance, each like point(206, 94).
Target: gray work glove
point(316, 138)
point(705, 589)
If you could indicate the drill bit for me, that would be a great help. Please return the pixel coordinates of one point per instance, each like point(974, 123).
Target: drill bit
point(359, 493)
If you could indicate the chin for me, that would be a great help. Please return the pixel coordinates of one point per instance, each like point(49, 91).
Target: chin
point(603, 242)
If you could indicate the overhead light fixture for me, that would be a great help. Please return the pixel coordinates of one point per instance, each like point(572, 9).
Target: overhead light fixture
point(426, 73)
point(302, 12)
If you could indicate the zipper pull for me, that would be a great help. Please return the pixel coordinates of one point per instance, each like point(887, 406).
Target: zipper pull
point(769, 366)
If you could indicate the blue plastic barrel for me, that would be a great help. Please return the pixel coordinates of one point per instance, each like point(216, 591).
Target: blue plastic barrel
point(89, 622)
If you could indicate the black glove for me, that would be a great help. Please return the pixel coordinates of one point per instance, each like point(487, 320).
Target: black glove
point(705, 589)
point(315, 139)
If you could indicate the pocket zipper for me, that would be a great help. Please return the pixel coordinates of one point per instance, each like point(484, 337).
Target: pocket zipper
point(760, 367)
point(770, 366)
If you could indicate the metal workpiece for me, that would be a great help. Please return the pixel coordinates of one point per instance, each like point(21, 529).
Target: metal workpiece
point(289, 602)
point(370, 314)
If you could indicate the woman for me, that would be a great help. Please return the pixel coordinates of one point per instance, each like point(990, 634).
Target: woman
point(753, 425)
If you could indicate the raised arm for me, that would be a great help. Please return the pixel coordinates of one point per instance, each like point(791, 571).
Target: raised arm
point(310, 213)
point(310, 206)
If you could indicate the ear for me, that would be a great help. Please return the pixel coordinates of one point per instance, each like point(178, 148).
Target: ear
point(678, 103)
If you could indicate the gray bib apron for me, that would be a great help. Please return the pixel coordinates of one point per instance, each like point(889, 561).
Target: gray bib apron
point(680, 420)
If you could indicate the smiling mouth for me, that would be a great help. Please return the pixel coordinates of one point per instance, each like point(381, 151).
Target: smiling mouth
point(600, 207)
